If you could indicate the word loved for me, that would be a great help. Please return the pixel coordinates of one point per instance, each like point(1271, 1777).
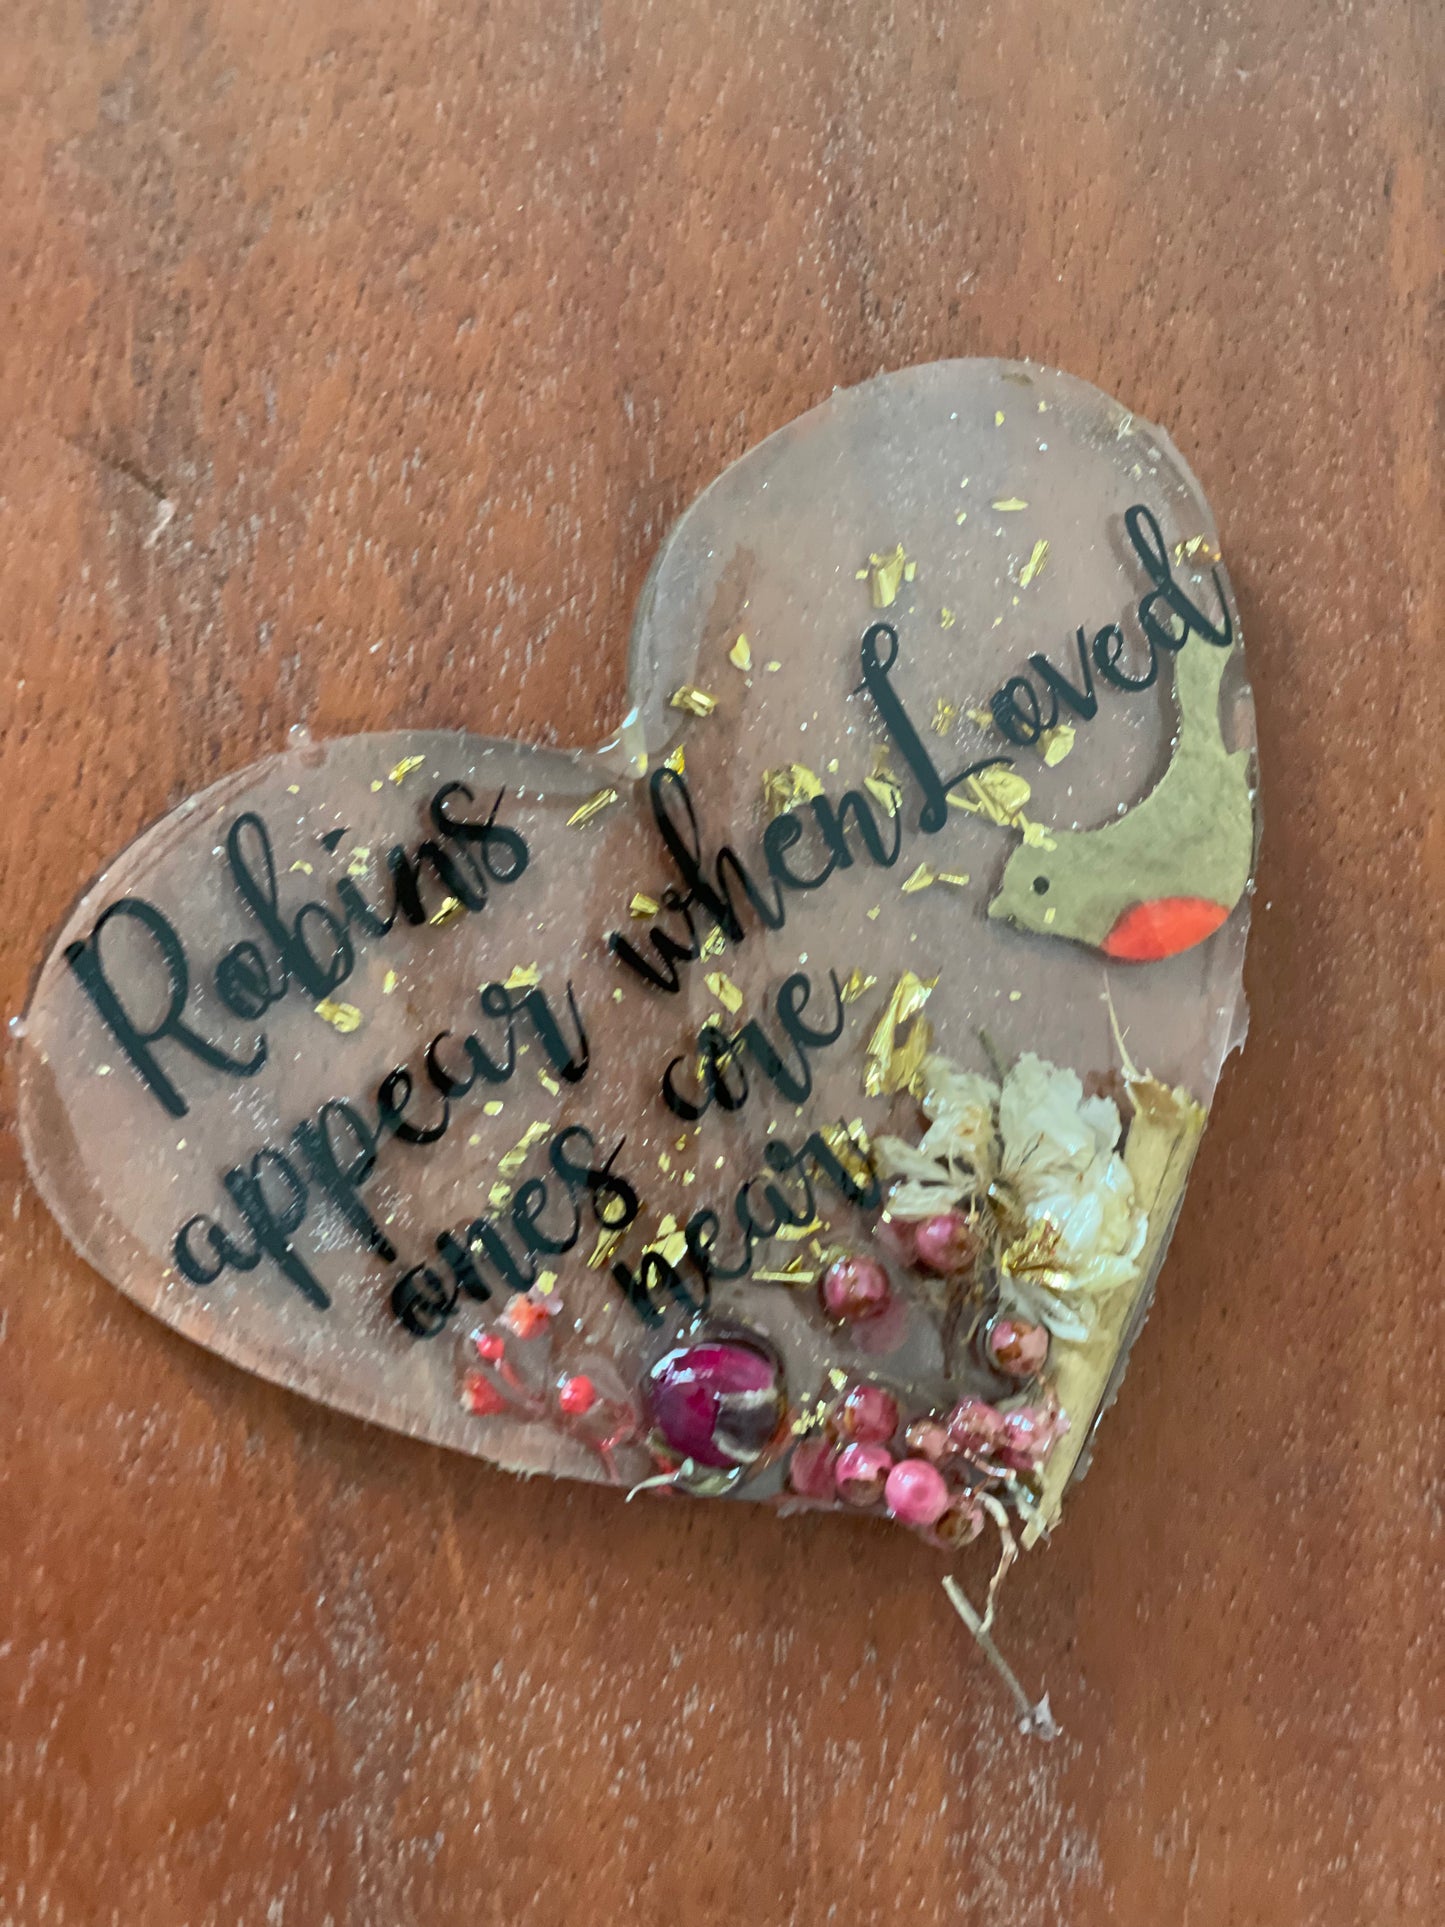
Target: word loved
point(1017, 709)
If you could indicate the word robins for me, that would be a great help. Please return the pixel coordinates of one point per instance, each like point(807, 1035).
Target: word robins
point(310, 945)
point(1016, 707)
point(334, 1153)
point(718, 888)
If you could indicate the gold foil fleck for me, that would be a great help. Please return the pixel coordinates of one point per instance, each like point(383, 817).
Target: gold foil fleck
point(399, 772)
point(725, 990)
point(741, 655)
point(360, 859)
point(773, 667)
point(451, 908)
point(693, 701)
point(856, 985)
point(884, 575)
point(549, 1084)
point(607, 1243)
point(998, 418)
point(1035, 563)
point(787, 786)
point(493, 1107)
point(713, 944)
point(523, 977)
point(945, 714)
point(594, 806)
point(499, 1195)
point(388, 983)
point(512, 1161)
point(946, 618)
point(677, 762)
point(1009, 504)
point(302, 865)
point(920, 880)
point(958, 878)
point(1055, 743)
point(898, 1046)
point(343, 1017)
point(643, 906)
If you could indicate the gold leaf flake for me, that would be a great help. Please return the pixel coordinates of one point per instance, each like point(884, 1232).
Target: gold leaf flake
point(1009, 504)
point(884, 574)
point(523, 977)
point(1197, 546)
point(901, 1041)
point(343, 1017)
point(1055, 743)
point(998, 418)
point(376, 785)
point(388, 983)
point(794, 1278)
point(855, 986)
point(725, 990)
point(360, 858)
point(996, 793)
point(301, 865)
point(1035, 563)
point(945, 714)
point(793, 1234)
point(499, 1195)
point(713, 944)
point(617, 996)
point(594, 806)
point(886, 792)
point(549, 1084)
point(873, 914)
point(607, 1243)
point(946, 618)
point(787, 786)
point(741, 655)
point(399, 772)
point(293, 789)
point(693, 701)
point(958, 878)
point(773, 667)
point(677, 762)
point(493, 1107)
point(643, 906)
point(920, 880)
point(1050, 914)
point(451, 909)
point(983, 717)
point(512, 1161)
point(546, 1283)
point(664, 1162)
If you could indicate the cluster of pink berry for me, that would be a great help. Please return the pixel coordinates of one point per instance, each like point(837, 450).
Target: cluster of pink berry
point(927, 1472)
point(857, 1288)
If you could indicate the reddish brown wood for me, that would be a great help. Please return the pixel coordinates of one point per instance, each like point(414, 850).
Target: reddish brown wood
point(354, 360)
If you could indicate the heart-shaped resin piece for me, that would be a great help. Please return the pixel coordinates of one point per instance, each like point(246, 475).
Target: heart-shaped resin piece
point(791, 1098)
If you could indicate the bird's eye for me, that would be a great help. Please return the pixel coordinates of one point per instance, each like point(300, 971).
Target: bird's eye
point(1041, 884)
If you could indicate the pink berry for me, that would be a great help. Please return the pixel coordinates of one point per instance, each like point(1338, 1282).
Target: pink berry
point(915, 1492)
point(489, 1345)
point(961, 1524)
point(870, 1415)
point(577, 1396)
point(856, 1288)
point(1028, 1439)
point(810, 1470)
point(481, 1397)
point(975, 1429)
point(720, 1401)
point(861, 1473)
point(1017, 1348)
point(927, 1438)
point(946, 1243)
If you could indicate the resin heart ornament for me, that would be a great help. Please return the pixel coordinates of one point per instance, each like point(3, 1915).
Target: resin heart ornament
point(791, 1099)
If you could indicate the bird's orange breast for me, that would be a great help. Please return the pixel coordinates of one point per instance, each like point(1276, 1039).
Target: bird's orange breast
point(1147, 932)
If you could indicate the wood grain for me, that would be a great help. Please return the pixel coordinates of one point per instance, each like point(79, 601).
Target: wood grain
point(354, 360)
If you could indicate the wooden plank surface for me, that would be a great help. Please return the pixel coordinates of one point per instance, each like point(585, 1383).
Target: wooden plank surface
point(354, 360)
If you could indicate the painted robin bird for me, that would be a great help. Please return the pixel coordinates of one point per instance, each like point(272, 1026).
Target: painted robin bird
point(1165, 875)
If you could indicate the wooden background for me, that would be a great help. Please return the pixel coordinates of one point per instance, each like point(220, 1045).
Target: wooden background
point(354, 360)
